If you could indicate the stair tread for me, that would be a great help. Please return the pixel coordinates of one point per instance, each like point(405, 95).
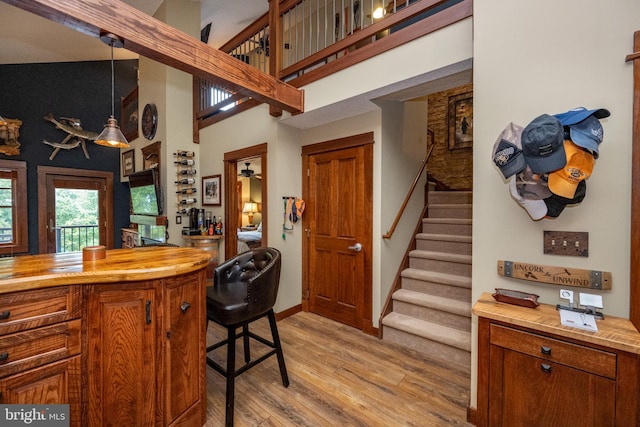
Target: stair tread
point(441, 256)
point(461, 308)
point(444, 237)
point(459, 221)
point(434, 276)
point(451, 205)
point(431, 331)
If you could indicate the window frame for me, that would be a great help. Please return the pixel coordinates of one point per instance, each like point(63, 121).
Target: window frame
point(19, 212)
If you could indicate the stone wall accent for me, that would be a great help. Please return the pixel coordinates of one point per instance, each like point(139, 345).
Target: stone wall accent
point(453, 168)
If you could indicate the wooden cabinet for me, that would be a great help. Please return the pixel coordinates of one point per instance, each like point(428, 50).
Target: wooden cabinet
point(153, 333)
point(210, 244)
point(548, 374)
point(40, 347)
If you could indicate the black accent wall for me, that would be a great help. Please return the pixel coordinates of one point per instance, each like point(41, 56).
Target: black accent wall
point(71, 89)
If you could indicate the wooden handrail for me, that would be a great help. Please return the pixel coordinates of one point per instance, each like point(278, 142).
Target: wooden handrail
point(408, 196)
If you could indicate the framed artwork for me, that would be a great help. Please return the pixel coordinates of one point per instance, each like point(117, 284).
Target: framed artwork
point(460, 121)
point(128, 163)
point(211, 190)
point(129, 115)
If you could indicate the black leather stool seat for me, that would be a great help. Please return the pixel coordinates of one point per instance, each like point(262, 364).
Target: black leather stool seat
point(244, 290)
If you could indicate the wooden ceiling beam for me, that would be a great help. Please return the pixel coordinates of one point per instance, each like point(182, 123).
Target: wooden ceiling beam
point(160, 42)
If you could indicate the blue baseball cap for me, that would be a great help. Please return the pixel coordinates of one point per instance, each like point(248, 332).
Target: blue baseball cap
point(543, 144)
point(579, 114)
point(585, 129)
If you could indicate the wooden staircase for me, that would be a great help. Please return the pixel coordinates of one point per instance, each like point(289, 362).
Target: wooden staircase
point(432, 309)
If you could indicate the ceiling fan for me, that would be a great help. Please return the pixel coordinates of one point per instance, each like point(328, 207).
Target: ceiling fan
point(248, 173)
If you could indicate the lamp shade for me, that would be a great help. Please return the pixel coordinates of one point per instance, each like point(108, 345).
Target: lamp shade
point(2, 121)
point(250, 207)
point(111, 136)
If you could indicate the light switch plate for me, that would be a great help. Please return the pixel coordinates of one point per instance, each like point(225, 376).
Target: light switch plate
point(571, 243)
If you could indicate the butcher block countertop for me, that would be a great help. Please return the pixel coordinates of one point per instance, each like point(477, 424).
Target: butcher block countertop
point(614, 332)
point(120, 265)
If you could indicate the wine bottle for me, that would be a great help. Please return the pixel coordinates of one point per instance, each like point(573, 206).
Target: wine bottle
point(188, 201)
point(186, 162)
point(187, 191)
point(184, 154)
point(187, 172)
point(183, 211)
point(187, 181)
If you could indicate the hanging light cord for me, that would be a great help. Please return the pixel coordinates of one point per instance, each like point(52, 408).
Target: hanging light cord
point(112, 82)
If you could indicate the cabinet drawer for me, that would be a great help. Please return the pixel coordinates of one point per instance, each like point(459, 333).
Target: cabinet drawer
point(30, 309)
point(36, 347)
point(580, 357)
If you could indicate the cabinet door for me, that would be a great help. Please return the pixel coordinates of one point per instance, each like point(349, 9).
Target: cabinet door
point(121, 356)
point(184, 349)
point(528, 391)
point(55, 383)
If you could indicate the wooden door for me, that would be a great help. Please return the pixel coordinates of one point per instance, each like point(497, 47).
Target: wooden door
point(338, 224)
point(121, 356)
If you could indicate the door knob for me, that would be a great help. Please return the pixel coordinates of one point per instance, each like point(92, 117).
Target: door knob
point(357, 247)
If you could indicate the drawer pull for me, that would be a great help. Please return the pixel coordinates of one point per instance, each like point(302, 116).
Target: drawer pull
point(546, 368)
point(148, 311)
point(185, 306)
point(545, 350)
point(5, 315)
point(4, 356)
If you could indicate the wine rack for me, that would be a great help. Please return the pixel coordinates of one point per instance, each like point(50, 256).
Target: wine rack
point(186, 191)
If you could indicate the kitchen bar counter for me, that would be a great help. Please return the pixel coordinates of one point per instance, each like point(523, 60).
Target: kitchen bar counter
point(120, 265)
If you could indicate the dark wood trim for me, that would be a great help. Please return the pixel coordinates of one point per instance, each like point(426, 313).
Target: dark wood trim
point(160, 42)
point(44, 172)
point(472, 415)
point(231, 159)
point(338, 144)
point(20, 244)
point(288, 312)
point(634, 276)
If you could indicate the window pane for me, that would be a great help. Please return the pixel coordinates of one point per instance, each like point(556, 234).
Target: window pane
point(6, 198)
point(6, 225)
point(5, 182)
point(76, 219)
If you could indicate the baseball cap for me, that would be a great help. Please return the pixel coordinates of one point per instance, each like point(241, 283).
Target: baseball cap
point(542, 144)
point(588, 134)
point(579, 114)
point(537, 209)
point(564, 182)
point(532, 186)
point(556, 204)
point(507, 151)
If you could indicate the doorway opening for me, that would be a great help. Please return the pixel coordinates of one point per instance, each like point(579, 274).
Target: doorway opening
point(75, 209)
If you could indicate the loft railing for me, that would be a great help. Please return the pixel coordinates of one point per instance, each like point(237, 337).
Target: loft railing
point(72, 238)
point(301, 41)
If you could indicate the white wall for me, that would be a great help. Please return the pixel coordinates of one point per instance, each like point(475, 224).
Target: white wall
point(546, 56)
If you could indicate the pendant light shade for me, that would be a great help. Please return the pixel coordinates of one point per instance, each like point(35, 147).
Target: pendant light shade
point(2, 121)
point(111, 135)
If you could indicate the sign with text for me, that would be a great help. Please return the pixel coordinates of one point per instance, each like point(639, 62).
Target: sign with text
point(34, 415)
point(561, 276)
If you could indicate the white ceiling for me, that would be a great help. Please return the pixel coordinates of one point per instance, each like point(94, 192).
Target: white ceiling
point(27, 38)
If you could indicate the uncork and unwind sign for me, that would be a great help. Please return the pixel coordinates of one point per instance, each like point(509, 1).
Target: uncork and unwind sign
point(34, 415)
point(561, 276)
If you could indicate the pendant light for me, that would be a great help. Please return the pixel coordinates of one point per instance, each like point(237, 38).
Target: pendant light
point(111, 136)
point(2, 121)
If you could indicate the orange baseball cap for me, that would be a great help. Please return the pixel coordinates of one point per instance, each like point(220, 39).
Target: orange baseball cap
point(564, 182)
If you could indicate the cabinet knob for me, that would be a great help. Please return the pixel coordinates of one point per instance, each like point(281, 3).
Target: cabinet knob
point(4, 356)
point(5, 315)
point(545, 368)
point(185, 306)
point(545, 350)
point(148, 312)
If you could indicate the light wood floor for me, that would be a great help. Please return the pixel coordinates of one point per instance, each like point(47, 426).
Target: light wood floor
point(339, 377)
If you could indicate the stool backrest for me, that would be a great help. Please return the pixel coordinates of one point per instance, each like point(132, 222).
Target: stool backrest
point(260, 269)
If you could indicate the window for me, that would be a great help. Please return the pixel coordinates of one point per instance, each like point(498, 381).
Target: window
point(13, 207)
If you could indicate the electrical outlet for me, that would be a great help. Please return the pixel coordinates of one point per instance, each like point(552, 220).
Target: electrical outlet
point(571, 243)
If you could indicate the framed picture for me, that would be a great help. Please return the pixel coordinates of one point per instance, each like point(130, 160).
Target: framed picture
point(128, 163)
point(211, 190)
point(460, 121)
point(129, 115)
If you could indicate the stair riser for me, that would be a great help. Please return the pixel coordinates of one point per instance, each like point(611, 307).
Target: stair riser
point(437, 289)
point(429, 314)
point(448, 354)
point(455, 229)
point(444, 197)
point(443, 246)
point(440, 266)
point(449, 212)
